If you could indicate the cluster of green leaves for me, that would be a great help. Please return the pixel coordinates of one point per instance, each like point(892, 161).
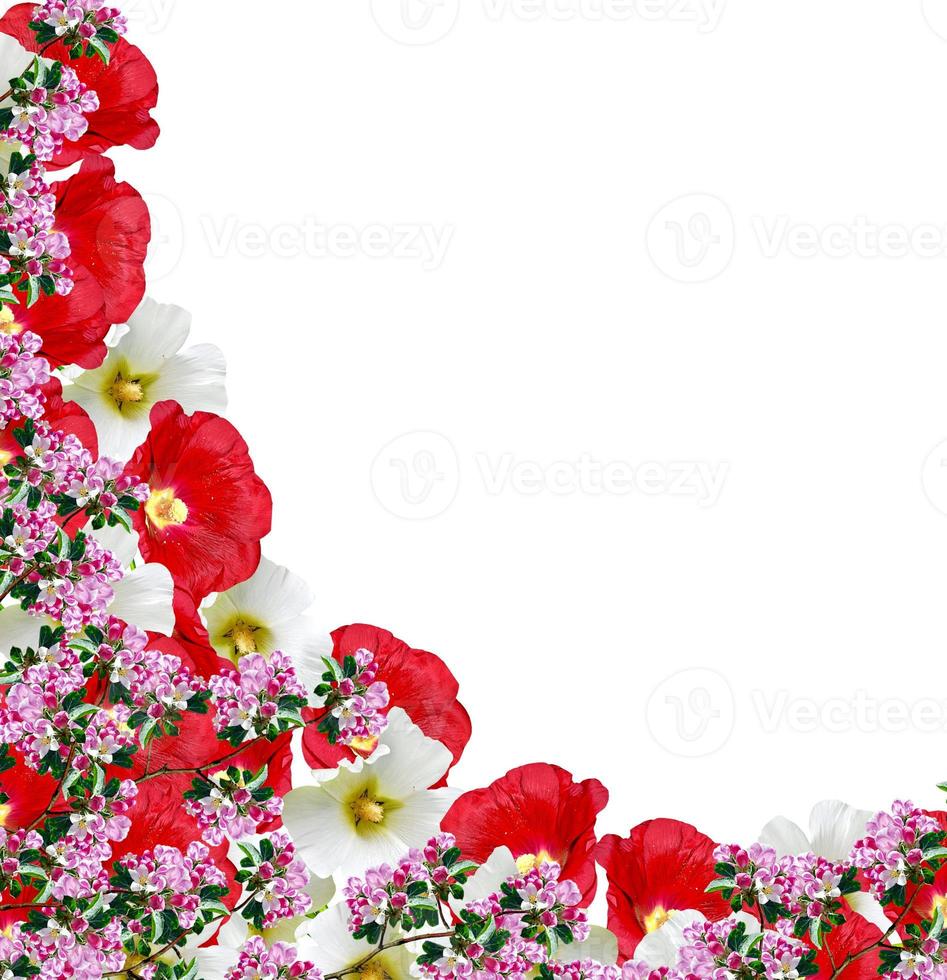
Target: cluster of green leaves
point(19, 661)
point(229, 782)
point(99, 45)
point(472, 930)
point(22, 966)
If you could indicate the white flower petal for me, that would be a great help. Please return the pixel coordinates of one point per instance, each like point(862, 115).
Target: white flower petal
point(869, 908)
point(19, 629)
point(785, 836)
point(490, 876)
point(659, 948)
point(601, 946)
point(419, 817)
point(215, 962)
point(835, 828)
point(145, 597)
point(273, 595)
point(194, 379)
point(322, 829)
point(414, 762)
point(156, 331)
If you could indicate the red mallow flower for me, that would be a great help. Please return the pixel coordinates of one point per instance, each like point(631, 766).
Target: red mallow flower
point(418, 681)
point(540, 814)
point(208, 509)
point(127, 88)
point(109, 228)
point(73, 327)
point(664, 866)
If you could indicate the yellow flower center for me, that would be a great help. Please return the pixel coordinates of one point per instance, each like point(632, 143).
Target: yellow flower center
point(364, 745)
point(163, 509)
point(243, 636)
point(8, 324)
point(374, 971)
point(526, 862)
point(656, 918)
point(940, 902)
point(126, 391)
point(5, 809)
point(367, 809)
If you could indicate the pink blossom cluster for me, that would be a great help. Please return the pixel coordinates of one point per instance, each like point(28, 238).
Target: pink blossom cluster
point(708, 952)
point(93, 823)
point(22, 373)
point(894, 850)
point(357, 703)
point(155, 682)
point(275, 881)
point(251, 699)
point(382, 895)
point(59, 465)
point(80, 18)
point(66, 948)
point(13, 846)
point(230, 811)
point(27, 217)
point(166, 878)
point(49, 108)
point(277, 962)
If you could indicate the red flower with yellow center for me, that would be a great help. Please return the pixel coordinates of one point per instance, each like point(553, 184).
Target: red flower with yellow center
point(208, 509)
point(662, 867)
point(540, 814)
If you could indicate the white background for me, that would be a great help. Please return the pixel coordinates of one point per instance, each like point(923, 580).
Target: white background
point(545, 141)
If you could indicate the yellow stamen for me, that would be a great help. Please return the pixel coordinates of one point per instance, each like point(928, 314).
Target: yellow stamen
point(126, 391)
point(374, 971)
point(5, 809)
point(368, 809)
point(656, 918)
point(526, 862)
point(244, 641)
point(163, 509)
point(940, 902)
point(364, 745)
point(8, 324)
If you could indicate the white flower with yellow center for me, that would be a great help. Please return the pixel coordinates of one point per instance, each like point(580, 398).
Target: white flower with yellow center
point(268, 613)
point(145, 367)
point(373, 811)
point(329, 944)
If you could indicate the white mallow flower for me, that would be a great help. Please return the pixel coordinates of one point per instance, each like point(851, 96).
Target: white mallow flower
point(268, 613)
point(834, 827)
point(373, 811)
point(329, 944)
point(145, 367)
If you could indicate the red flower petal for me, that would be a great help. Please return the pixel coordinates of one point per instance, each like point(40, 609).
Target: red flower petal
point(210, 540)
point(73, 327)
point(127, 88)
point(109, 229)
point(61, 416)
point(854, 936)
point(663, 866)
point(536, 809)
point(418, 682)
